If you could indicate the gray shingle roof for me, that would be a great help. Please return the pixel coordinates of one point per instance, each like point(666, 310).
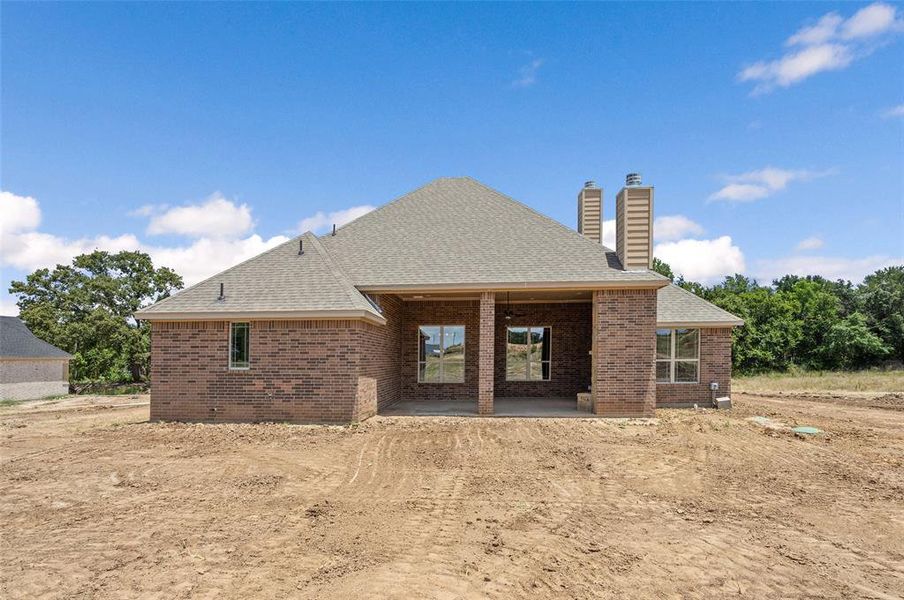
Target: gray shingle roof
point(456, 231)
point(16, 341)
point(452, 231)
point(677, 306)
point(277, 281)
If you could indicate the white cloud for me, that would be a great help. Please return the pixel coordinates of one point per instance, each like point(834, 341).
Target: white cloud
point(830, 267)
point(873, 20)
point(830, 44)
point(761, 183)
point(321, 221)
point(25, 248)
point(527, 74)
point(894, 111)
point(705, 261)
point(810, 243)
point(18, 213)
point(674, 227)
point(215, 217)
point(819, 33)
point(8, 307)
point(609, 234)
point(209, 256)
point(32, 250)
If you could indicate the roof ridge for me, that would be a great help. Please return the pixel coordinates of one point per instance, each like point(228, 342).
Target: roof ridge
point(336, 271)
point(220, 273)
point(394, 201)
point(545, 217)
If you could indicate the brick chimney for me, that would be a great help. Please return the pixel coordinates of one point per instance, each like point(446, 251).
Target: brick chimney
point(634, 224)
point(590, 212)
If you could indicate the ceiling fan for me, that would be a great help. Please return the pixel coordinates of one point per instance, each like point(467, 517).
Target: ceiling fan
point(508, 312)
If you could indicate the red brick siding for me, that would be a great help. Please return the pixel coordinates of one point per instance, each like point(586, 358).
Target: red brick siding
point(485, 357)
point(381, 358)
point(624, 342)
point(570, 359)
point(301, 371)
point(462, 312)
point(715, 365)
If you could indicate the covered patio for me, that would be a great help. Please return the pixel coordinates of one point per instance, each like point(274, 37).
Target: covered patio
point(524, 352)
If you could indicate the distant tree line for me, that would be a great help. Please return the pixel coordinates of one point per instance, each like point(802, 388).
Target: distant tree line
point(810, 322)
point(86, 309)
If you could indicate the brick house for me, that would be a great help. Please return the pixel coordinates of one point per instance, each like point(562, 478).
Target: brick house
point(451, 293)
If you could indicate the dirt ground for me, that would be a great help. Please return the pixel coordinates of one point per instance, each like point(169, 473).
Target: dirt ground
point(95, 502)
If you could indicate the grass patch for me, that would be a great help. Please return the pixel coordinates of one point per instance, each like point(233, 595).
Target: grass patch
point(822, 381)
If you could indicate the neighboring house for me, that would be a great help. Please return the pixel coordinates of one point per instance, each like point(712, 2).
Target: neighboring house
point(452, 292)
point(30, 367)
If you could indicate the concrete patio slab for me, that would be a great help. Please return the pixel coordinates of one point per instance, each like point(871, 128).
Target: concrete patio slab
point(503, 407)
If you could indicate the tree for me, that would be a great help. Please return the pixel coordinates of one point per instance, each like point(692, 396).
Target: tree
point(849, 344)
point(663, 268)
point(816, 312)
point(770, 330)
point(882, 299)
point(86, 309)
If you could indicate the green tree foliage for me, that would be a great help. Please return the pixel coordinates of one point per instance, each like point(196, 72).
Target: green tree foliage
point(849, 344)
point(663, 269)
point(86, 309)
point(882, 298)
point(811, 322)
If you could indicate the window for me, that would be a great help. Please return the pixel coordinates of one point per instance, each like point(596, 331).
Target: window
point(239, 346)
point(527, 351)
point(677, 355)
point(441, 354)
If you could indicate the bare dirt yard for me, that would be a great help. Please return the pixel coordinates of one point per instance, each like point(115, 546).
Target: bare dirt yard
point(95, 502)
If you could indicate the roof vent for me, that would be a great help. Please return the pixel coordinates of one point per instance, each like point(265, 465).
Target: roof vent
point(300, 247)
point(632, 180)
point(222, 295)
point(590, 185)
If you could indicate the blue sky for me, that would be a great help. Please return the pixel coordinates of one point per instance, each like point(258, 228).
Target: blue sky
point(203, 133)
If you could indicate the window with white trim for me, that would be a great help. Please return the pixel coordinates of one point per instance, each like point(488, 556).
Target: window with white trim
point(677, 355)
point(240, 345)
point(527, 353)
point(441, 354)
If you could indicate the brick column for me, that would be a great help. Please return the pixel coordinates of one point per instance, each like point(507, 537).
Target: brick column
point(624, 353)
point(485, 353)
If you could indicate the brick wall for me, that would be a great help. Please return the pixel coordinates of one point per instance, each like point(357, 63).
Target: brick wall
point(715, 365)
point(485, 373)
point(301, 371)
point(624, 342)
point(414, 314)
point(380, 346)
point(571, 342)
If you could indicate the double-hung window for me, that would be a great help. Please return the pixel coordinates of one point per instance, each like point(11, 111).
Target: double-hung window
point(527, 353)
point(677, 355)
point(441, 354)
point(239, 345)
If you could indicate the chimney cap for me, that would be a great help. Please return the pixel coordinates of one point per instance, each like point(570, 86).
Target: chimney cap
point(590, 184)
point(632, 179)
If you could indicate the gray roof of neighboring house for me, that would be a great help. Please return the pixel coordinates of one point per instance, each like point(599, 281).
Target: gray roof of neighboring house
point(16, 341)
point(279, 281)
point(456, 231)
point(452, 232)
point(677, 306)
